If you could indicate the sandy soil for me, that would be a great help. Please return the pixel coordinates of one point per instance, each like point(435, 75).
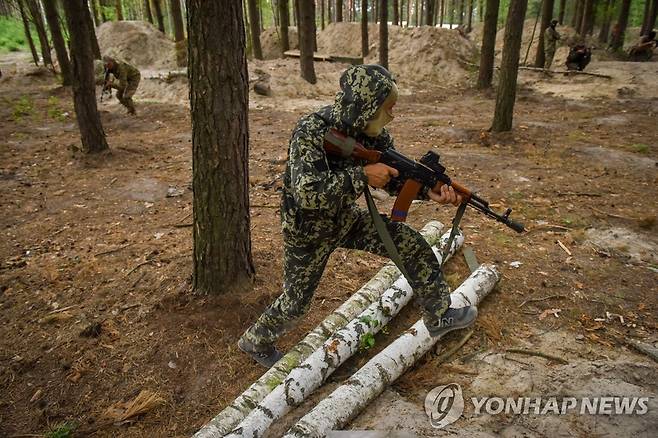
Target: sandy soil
point(96, 256)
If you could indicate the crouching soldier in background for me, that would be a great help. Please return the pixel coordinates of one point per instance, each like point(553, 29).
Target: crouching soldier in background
point(643, 50)
point(319, 213)
point(128, 78)
point(579, 56)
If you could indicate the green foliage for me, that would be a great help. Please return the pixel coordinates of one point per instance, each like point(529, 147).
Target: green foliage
point(22, 107)
point(641, 148)
point(54, 110)
point(12, 35)
point(367, 341)
point(62, 430)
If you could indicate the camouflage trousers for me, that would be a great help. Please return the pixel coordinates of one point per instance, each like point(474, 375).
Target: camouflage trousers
point(305, 262)
point(549, 54)
point(125, 96)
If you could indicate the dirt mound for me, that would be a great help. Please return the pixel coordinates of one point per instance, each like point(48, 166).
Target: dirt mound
point(270, 42)
point(418, 53)
point(138, 43)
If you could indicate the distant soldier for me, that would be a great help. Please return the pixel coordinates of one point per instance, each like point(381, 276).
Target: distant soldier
point(128, 78)
point(579, 56)
point(643, 50)
point(551, 37)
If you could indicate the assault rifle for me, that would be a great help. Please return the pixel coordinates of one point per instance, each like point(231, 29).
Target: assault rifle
point(107, 84)
point(427, 172)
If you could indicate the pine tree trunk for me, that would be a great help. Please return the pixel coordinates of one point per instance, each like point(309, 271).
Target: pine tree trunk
point(84, 84)
point(220, 146)
point(177, 20)
point(546, 17)
point(605, 24)
point(560, 17)
point(649, 17)
point(480, 11)
point(587, 22)
point(461, 12)
point(416, 13)
point(284, 23)
point(91, 36)
point(408, 13)
point(28, 34)
point(396, 11)
point(295, 8)
point(119, 9)
point(158, 15)
point(364, 29)
point(469, 22)
point(147, 11)
point(322, 14)
point(58, 41)
point(306, 37)
point(617, 41)
point(578, 14)
point(330, 12)
point(339, 10)
point(485, 74)
point(96, 15)
point(509, 67)
point(383, 33)
point(37, 19)
point(451, 16)
point(442, 12)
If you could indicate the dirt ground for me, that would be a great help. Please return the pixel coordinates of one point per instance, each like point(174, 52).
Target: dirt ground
point(95, 299)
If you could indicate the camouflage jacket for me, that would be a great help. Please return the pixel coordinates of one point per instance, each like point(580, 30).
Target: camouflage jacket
point(551, 37)
point(125, 73)
point(320, 190)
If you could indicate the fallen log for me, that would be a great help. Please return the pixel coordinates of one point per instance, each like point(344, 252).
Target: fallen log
point(349, 399)
point(566, 72)
point(313, 371)
point(227, 419)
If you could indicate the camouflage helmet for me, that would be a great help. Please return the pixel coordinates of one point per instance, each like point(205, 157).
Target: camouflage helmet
point(363, 89)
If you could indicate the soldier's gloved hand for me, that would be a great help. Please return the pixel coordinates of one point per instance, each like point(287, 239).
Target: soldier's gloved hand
point(445, 195)
point(379, 174)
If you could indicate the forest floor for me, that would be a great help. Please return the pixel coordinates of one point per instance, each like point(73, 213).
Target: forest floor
point(95, 264)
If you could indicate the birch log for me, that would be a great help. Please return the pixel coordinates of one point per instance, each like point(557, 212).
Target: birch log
point(227, 419)
point(349, 399)
point(312, 372)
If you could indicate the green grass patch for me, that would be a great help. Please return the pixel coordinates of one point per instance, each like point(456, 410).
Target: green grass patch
point(23, 107)
point(640, 148)
point(62, 430)
point(54, 110)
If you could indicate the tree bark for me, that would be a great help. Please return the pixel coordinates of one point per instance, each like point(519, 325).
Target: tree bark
point(284, 22)
point(58, 41)
point(506, 92)
point(619, 30)
point(28, 34)
point(96, 16)
point(158, 15)
point(119, 9)
point(322, 14)
point(254, 26)
point(429, 13)
point(461, 12)
point(650, 17)
point(177, 20)
point(306, 37)
point(480, 11)
point(91, 35)
point(92, 135)
point(396, 12)
point(451, 16)
point(578, 14)
point(560, 16)
point(365, 44)
point(485, 74)
point(339, 10)
point(587, 22)
point(546, 17)
point(147, 11)
point(469, 22)
point(442, 11)
point(605, 24)
point(37, 19)
point(383, 33)
point(219, 96)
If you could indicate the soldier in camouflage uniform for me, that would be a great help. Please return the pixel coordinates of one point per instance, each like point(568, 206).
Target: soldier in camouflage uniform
point(551, 37)
point(319, 212)
point(128, 78)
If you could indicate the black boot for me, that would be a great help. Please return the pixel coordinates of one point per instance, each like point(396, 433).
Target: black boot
point(452, 319)
point(266, 355)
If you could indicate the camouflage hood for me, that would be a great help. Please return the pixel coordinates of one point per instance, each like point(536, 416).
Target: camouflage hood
point(363, 89)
